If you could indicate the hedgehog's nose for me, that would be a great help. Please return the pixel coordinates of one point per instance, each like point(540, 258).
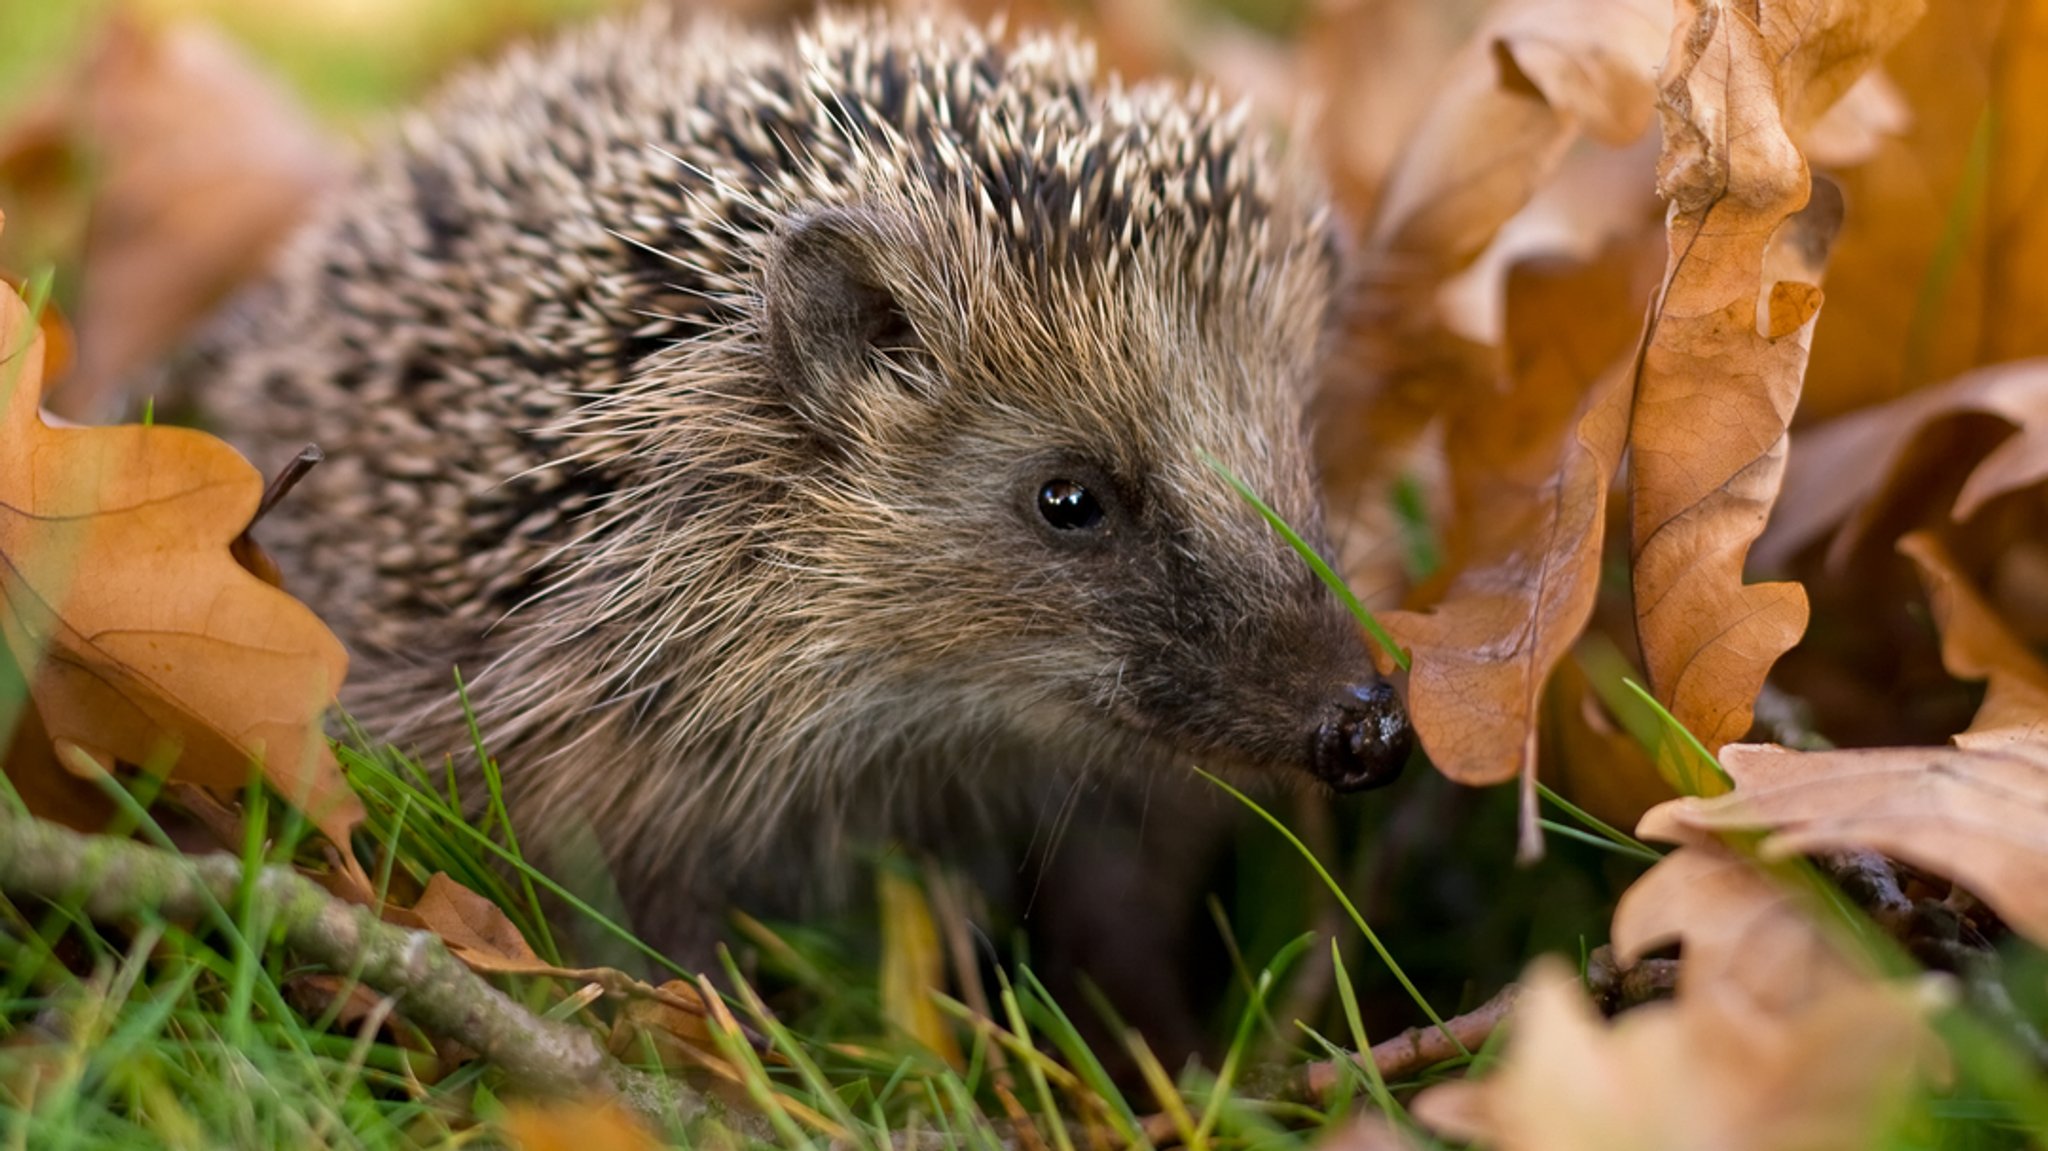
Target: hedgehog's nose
point(1363, 740)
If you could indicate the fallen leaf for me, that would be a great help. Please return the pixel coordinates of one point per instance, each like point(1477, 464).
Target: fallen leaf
point(473, 927)
point(204, 165)
point(143, 637)
point(582, 1126)
point(1940, 267)
point(1852, 471)
point(1720, 370)
point(1689, 1076)
point(676, 1028)
point(1372, 67)
point(1975, 815)
point(1529, 471)
point(913, 967)
point(31, 763)
point(1751, 940)
point(1977, 645)
point(1536, 75)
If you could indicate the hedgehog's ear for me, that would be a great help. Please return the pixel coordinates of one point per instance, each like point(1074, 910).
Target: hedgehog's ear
point(831, 314)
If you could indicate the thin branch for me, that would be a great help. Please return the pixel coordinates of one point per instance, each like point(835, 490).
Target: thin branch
point(115, 880)
point(1419, 1048)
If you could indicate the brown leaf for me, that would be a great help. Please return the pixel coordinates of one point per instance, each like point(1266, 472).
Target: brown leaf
point(1976, 644)
point(1688, 1074)
point(1536, 75)
point(1941, 266)
point(1746, 935)
point(1529, 471)
point(474, 928)
point(583, 1126)
point(1373, 69)
point(913, 967)
point(205, 165)
point(146, 641)
point(1978, 816)
point(1720, 371)
point(31, 764)
point(676, 1027)
point(1852, 471)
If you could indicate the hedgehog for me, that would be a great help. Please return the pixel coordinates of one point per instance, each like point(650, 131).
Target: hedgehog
point(802, 439)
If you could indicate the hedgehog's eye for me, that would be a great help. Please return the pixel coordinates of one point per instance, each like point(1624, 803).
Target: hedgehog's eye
point(1068, 506)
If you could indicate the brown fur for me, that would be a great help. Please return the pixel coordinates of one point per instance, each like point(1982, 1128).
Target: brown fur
point(690, 389)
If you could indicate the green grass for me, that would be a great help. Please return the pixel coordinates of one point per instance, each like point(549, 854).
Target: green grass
point(203, 1035)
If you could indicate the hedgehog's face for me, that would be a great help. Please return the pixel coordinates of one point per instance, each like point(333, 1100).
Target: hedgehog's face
point(1022, 515)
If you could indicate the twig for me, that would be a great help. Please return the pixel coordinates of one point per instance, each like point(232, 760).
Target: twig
point(1419, 1048)
point(1619, 988)
point(114, 880)
point(285, 480)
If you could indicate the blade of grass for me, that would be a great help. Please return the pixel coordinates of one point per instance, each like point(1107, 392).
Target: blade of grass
point(1687, 740)
point(1170, 1101)
point(1032, 1068)
point(1315, 562)
point(1601, 842)
point(1054, 1023)
point(1621, 839)
point(1350, 908)
point(1363, 1063)
point(1247, 1020)
point(494, 784)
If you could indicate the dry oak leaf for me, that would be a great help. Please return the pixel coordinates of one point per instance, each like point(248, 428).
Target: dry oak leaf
point(475, 929)
point(1749, 940)
point(141, 635)
point(1943, 266)
point(585, 1126)
point(1686, 1075)
point(1720, 369)
point(1976, 644)
point(913, 967)
point(1975, 815)
point(1535, 76)
point(1529, 469)
point(204, 165)
point(1851, 470)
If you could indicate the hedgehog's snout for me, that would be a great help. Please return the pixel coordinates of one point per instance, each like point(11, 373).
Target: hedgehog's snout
point(1362, 738)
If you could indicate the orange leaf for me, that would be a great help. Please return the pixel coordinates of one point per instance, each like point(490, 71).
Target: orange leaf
point(144, 638)
point(1977, 815)
point(1689, 1074)
point(1853, 470)
point(575, 1127)
point(1721, 367)
point(208, 164)
point(1976, 644)
point(1530, 471)
point(473, 927)
point(1528, 83)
